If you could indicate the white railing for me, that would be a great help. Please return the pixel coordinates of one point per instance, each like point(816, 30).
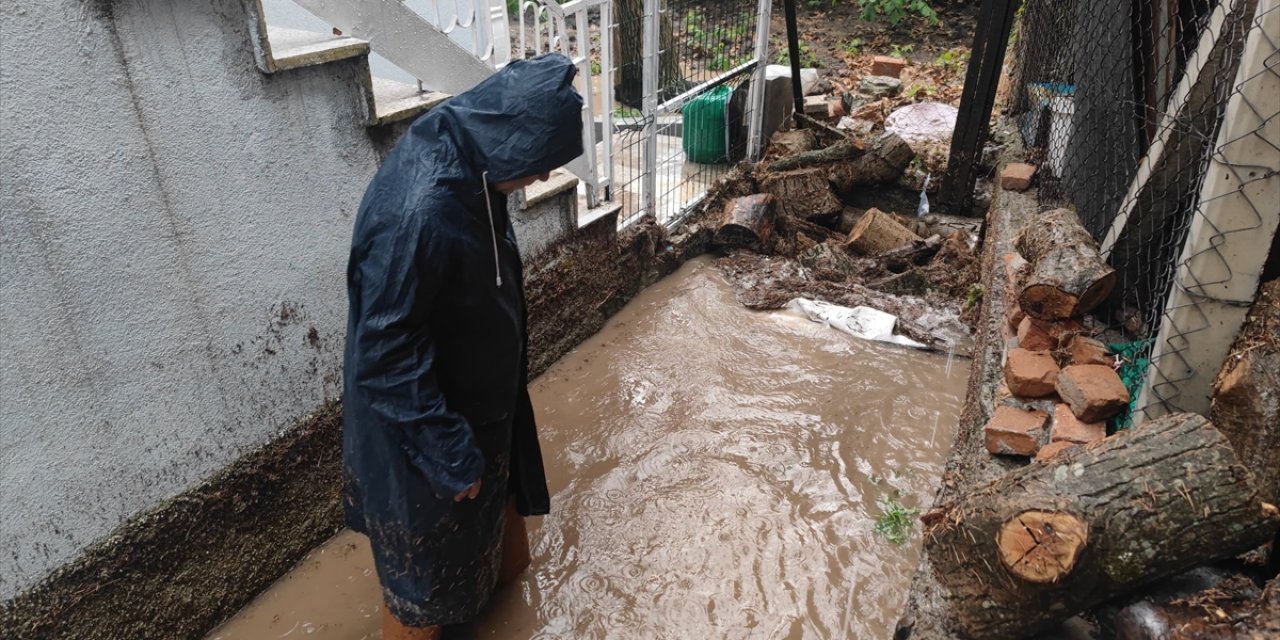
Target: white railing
point(449, 45)
point(544, 27)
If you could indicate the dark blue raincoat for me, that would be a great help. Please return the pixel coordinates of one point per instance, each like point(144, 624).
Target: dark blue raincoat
point(436, 365)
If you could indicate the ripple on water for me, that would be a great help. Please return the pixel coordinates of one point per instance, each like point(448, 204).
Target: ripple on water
point(716, 473)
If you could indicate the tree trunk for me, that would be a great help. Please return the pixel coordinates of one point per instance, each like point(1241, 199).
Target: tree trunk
point(1246, 398)
point(1044, 542)
point(877, 233)
point(628, 54)
point(841, 151)
point(883, 162)
point(1068, 277)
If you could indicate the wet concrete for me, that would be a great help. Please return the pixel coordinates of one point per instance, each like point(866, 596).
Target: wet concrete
point(715, 472)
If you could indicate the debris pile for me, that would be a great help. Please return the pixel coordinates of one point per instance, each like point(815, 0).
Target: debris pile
point(788, 231)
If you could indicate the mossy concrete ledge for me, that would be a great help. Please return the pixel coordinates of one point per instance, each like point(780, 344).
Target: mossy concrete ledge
point(182, 568)
point(928, 615)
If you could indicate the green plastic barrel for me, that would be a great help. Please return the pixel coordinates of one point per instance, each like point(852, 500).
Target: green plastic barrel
point(706, 127)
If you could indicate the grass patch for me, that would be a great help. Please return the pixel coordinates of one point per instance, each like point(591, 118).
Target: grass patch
point(896, 520)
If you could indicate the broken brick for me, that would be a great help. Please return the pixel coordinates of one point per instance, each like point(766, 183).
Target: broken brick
point(1030, 374)
point(887, 66)
point(1015, 431)
point(1093, 391)
point(1068, 428)
point(1036, 335)
point(1053, 449)
point(835, 109)
point(1086, 350)
point(1017, 176)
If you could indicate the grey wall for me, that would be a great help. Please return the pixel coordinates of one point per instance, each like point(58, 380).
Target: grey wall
point(174, 229)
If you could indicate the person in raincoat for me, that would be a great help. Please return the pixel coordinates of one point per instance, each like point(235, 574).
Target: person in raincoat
point(440, 449)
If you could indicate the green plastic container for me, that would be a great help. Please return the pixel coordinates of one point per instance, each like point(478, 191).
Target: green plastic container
point(706, 127)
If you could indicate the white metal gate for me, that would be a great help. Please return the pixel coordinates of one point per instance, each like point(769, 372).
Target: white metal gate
point(683, 52)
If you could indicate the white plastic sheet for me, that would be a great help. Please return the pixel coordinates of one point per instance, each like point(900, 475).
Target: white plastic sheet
point(860, 322)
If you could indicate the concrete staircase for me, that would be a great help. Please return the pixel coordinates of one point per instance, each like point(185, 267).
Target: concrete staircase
point(542, 215)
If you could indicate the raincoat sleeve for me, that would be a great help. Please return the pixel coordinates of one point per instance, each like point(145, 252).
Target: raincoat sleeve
point(396, 368)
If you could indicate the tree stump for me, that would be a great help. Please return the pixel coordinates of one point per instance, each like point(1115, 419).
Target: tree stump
point(747, 222)
point(877, 233)
point(1044, 542)
point(1067, 277)
point(803, 193)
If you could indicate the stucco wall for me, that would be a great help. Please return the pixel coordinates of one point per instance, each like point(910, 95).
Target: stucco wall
point(174, 229)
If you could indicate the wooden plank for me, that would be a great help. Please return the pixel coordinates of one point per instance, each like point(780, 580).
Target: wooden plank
point(1228, 242)
point(1159, 165)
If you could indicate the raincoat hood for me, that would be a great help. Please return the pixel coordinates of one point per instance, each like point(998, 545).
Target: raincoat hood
point(523, 121)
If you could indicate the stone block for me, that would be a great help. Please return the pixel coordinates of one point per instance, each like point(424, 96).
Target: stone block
point(1015, 432)
point(1086, 350)
point(1017, 176)
point(1068, 428)
point(887, 66)
point(815, 106)
point(880, 87)
point(1030, 374)
point(1093, 391)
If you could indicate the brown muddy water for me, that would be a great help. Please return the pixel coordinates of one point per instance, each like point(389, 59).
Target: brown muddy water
point(716, 473)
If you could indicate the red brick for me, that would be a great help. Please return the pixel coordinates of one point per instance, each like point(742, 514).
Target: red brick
point(1093, 391)
point(1068, 428)
point(1086, 350)
point(1030, 374)
point(1017, 176)
point(1036, 335)
point(887, 66)
point(1014, 431)
point(1053, 450)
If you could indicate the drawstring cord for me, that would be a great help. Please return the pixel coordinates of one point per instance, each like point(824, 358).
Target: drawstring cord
point(493, 228)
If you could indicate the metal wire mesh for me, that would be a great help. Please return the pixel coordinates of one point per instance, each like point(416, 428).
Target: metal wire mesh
point(698, 117)
point(1121, 104)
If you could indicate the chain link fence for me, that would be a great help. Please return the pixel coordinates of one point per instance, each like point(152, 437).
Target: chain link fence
point(1127, 106)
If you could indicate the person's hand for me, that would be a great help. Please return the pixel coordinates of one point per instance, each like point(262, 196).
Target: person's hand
point(469, 493)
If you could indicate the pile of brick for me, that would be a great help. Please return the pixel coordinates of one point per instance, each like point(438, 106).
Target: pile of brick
point(1060, 384)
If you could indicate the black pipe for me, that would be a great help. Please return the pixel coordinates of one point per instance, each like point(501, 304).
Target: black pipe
point(793, 49)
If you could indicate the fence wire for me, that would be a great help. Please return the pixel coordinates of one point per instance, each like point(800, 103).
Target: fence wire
point(699, 114)
point(1121, 103)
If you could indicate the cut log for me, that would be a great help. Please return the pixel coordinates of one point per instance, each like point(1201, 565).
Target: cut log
point(1246, 396)
point(1044, 542)
point(748, 222)
point(877, 233)
point(840, 151)
point(911, 255)
point(803, 193)
point(884, 161)
point(1067, 277)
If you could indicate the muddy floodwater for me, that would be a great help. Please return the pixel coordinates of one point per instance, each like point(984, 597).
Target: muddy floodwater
point(716, 473)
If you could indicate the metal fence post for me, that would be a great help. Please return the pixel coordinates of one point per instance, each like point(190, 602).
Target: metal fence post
point(755, 130)
point(649, 152)
point(995, 23)
point(793, 51)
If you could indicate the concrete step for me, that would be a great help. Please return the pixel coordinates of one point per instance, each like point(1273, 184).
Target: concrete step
point(394, 101)
point(296, 48)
